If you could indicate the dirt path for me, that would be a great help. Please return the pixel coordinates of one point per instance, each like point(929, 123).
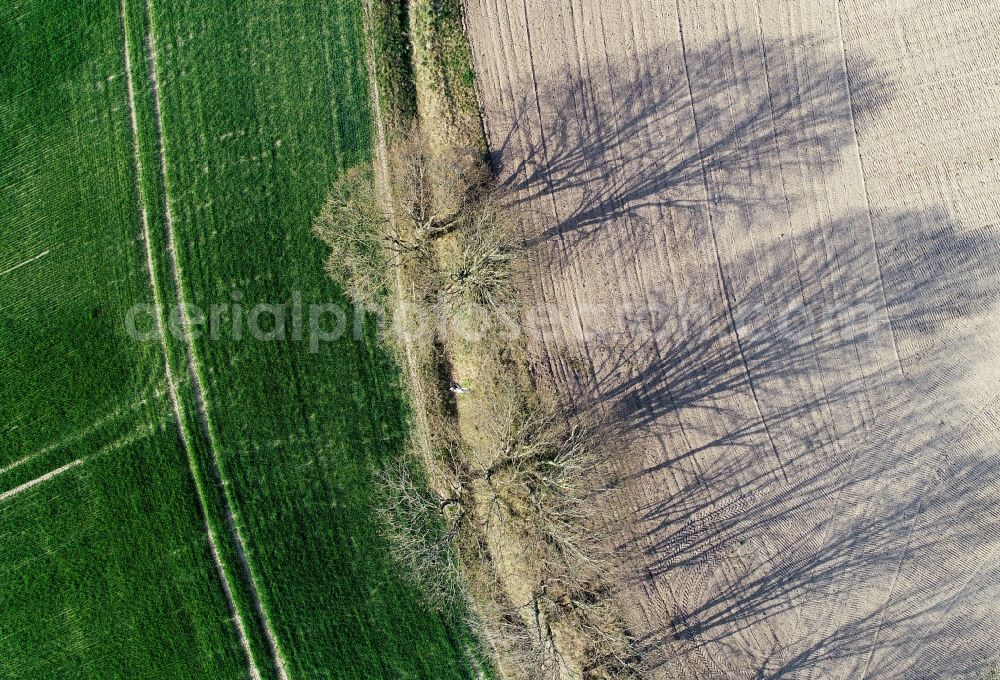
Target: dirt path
point(765, 237)
point(382, 172)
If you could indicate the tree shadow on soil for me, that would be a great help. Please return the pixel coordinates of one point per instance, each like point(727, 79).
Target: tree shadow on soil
point(794, 389)
point(631, 148)
point(777, 429)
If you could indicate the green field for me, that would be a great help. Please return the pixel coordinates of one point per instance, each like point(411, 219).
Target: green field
point(242, 118)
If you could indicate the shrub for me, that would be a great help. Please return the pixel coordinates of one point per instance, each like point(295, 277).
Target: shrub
point(420, 527)
point(483, 271)
point(431, 194)
point(357, 232)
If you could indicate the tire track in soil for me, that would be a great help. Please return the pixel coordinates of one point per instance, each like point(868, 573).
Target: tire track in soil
point(864, 185)
point(724, 289)
point(839, 545)
point(185, 435)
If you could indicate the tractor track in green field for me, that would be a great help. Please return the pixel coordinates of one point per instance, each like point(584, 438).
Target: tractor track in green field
point(136, 435)
point(22, 264)
point(193, 369)
point(38, 480)
point(226, 482)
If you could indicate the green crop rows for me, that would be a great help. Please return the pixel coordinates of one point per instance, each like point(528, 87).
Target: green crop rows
point(244, 116)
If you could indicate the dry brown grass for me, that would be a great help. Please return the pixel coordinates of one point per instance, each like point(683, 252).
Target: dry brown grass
point(482, 273)
point(548, 483)
point(496, 513)
point(520, 529)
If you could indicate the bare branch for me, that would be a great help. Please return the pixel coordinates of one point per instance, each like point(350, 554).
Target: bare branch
point(420, 529)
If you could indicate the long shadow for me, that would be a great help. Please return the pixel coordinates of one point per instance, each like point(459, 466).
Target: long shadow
point(891, 642)
point(795, 386)
point(616, 152)
point(751, 532)
point(692, 352)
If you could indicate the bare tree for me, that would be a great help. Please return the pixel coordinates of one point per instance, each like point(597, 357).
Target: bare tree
point(365, 244)
point(519, 512)
point(557, 471)
point(483, 272)
point(432, 193)
point(420, 527)
point(435, 188)
point(550, 480)
point(516, 645)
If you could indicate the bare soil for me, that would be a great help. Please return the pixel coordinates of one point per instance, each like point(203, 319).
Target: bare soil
point(765, 237)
